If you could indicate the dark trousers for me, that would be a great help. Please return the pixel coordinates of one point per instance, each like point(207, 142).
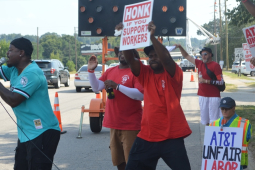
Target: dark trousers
point(29, 157)
point(144, 155)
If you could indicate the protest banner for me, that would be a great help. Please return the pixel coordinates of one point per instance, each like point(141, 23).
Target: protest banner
point(136, 18)
point(222, 149)
point(247, 57)
point(249, 34)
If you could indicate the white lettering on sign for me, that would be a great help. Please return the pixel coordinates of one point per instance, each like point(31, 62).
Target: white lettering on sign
point(137, 12)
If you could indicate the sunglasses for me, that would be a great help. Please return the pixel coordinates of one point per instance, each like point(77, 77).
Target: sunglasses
point(204, 54)
point(226, 109)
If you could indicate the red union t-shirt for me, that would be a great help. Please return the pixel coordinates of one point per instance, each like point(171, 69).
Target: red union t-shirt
point(122, 112)
point(208, 90)
point(163, 117)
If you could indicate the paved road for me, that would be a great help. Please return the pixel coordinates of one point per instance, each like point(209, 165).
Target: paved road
point(92, 151)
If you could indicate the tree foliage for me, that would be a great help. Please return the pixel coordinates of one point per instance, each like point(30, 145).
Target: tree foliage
point(4, 46)
point(240, 15)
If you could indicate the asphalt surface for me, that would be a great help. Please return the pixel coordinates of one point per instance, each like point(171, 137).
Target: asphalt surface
point(91, 152)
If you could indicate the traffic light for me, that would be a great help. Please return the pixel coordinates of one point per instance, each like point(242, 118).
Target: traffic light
point(99, 17)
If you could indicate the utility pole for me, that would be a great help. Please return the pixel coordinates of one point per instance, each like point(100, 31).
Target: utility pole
point(221, 56)
point(215, 47)
point(75, 49)
point(69, 50)
point(37, 44)
point(227, 62)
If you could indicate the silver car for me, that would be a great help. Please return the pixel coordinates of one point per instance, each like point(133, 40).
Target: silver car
point(82, 79)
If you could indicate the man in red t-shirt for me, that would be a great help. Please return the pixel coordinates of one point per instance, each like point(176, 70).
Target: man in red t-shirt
point(209, 94)
point(164, 125)
point(123, 113)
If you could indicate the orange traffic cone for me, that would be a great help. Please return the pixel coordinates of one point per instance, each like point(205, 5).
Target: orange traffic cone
point(98, 95)
point(57, 112)
point(192, 77)
point(195, 69)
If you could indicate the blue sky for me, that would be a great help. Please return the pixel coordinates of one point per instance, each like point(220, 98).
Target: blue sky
point(61, 16)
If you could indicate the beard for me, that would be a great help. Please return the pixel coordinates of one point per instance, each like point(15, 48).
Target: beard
point(123, 62)
point(159, 67)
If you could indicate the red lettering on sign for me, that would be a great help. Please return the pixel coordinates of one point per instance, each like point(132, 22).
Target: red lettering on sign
point(252, 30)
point(136, 12)
point(248, 33)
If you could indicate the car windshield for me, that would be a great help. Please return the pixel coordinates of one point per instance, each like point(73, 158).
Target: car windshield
point(235, 63)
point(44, 64)
point(85, 68)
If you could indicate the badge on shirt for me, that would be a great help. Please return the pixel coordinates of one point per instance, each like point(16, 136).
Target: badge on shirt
point(23, 81)
point(38, 124)
point(124, 79)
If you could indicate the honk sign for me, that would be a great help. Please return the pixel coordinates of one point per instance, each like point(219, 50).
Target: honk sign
point(222, 149)
point(135, 33)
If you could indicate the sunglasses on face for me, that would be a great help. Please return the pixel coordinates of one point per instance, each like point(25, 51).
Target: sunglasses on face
point(204, 54)
point(226, 109)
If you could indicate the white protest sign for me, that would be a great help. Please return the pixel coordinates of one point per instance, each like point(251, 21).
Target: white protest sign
point(249, 34)
point(136, 18)
point(222, 149)
point(247, 57)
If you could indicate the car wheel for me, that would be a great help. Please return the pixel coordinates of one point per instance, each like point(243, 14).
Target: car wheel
point(253, 73)
point(78, 89)
point(57, 85)
point(184, 69)
point(96, 123)
point(67, 84)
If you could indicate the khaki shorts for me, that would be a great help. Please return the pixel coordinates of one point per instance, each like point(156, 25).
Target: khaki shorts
point(121, 142)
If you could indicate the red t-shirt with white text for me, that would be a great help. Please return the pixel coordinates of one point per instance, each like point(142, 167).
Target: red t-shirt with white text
point(163, 117)
point(122, 112)
point(208, 90)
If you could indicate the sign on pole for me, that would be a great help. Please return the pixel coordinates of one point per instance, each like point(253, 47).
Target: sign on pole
point(136, 18)
point(247, 57)
point(222, 149)
point(238, 54)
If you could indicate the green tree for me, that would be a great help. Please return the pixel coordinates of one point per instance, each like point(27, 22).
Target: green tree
point(70, 65)
point(54, 55)
point(240, 15)
point(4, 46)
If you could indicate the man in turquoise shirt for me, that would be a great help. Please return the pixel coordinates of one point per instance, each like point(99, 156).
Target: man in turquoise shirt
point(29, 99)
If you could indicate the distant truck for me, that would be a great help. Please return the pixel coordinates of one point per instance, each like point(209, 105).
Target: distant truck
point(186, 65)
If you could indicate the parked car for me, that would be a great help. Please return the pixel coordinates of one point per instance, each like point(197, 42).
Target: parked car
point(55, 72)
point(244, 71)
point(235, 67)
point(81, 77)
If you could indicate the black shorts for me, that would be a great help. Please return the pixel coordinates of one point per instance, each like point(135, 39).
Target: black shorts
point(144, 155)
point(28, 157)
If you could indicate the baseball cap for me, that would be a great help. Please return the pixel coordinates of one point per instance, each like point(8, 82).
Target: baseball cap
point(206, 49)
point(227, 102)
point(148, 49)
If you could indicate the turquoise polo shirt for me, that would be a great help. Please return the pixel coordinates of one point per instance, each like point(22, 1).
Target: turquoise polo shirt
point(35, 114)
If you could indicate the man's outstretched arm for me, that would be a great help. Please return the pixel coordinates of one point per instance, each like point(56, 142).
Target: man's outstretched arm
point(163, 54)
point(185, 54)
